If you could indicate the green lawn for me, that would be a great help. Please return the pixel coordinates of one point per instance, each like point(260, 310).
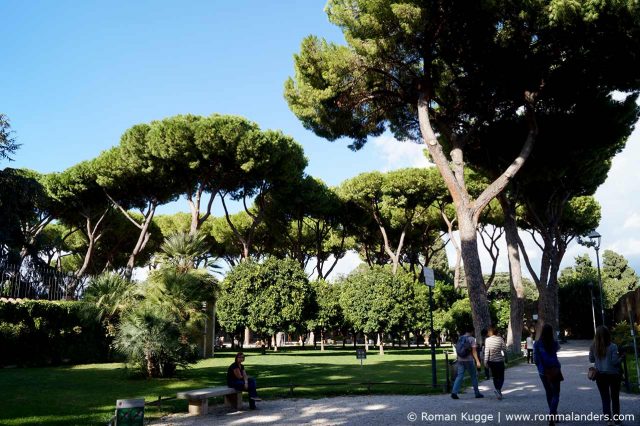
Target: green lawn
point(86, 394)
point(631, 369)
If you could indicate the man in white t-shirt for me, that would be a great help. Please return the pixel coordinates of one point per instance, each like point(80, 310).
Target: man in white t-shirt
point(529, 348)
point(466, 350)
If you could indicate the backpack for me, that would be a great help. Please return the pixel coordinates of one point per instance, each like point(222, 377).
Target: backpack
point(463, 347)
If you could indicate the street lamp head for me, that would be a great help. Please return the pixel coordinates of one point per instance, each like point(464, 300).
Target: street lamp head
point(595, 237)
point(594, 240)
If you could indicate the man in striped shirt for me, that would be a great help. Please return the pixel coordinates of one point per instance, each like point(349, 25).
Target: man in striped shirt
point(495, 351)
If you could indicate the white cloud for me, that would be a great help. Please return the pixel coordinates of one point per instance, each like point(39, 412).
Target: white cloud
point(632, 221)
point(628, 246)
point(395, 154)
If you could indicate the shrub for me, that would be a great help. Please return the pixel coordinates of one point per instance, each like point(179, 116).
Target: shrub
point(152, 341)
point(38, 332)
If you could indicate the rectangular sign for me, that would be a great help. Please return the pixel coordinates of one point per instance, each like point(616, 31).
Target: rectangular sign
point(361, 354)
point(429, 278)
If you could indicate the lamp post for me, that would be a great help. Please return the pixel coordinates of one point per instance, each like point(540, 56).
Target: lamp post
point(593, 311)
point(430, 281)
point(594, 241)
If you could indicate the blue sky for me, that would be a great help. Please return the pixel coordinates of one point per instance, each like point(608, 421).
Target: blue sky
point(75, 75)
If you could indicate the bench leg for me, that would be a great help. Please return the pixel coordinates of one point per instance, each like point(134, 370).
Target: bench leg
point(198, 407)
point(234, 400)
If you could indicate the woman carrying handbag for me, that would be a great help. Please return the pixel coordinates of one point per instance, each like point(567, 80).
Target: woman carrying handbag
point(607, 364)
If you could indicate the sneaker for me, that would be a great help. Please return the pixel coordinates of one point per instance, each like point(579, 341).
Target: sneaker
point(255, 398)
point(498, 394)
point(454, 396)
point(253, 407)
point(479, 395)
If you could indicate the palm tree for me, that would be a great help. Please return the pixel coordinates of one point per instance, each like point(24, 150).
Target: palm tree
point(184, 250)
point(111, 294)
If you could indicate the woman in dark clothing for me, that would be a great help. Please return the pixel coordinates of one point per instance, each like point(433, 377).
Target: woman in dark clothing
point(237, 378)
point(607, 362)
point(545, 356)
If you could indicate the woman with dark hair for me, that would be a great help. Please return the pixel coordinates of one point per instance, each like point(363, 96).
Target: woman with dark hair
point(237, 378)
point(495, 351)
point(545, 356)
point(607, 362)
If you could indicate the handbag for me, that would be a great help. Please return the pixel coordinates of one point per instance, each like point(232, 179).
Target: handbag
point(592, 374)
point(553, 374)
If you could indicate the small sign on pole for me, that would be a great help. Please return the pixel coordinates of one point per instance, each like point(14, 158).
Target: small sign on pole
point(361, 354)
point(429, 278)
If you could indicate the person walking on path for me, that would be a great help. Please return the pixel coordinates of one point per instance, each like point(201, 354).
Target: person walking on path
point(607, 363)
point(467, 353)
point(529, 347)
point(237, 378)
point(495, 351)
point(545, 357)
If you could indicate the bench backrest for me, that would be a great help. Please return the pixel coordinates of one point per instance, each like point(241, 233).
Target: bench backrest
point(130, 412)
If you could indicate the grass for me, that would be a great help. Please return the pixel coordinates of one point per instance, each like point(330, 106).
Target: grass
point(631, 369)
point(86, 394)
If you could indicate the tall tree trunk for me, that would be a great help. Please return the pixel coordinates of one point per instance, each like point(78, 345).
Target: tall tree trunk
point(366, 343)
point(517, 299)
point(247, 336)
point(467, 209)
point(381, 343)
point(473, 272)
point(322, 339)
point(194, 200)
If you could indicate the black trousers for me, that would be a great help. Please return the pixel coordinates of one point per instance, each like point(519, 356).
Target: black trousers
point(497, 372)
point(609, 388)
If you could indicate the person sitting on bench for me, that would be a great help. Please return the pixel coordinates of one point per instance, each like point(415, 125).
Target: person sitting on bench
point(237, 378)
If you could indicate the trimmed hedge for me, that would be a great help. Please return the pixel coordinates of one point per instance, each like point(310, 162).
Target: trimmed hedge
point(35, 332)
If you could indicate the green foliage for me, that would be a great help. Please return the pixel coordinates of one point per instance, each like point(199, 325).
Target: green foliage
point(268, 297)
point(151, 339)
point(328, 313)
point(26, 207)
point(618, 278)
point(42, 332)
point(501, 288)
point(576, 286)
point(8, 145)
point(183, 250)
point(236, 294)
point(458, 319)
point(500, 313)
point(158, 332)
point(109, 294)
point(375, 300)
point(282, 297)
point(400, 205)
point(180, 293)
point(621, 334)
point(444, 296)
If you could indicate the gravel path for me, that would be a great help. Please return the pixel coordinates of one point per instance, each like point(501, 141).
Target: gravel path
point(523, 394)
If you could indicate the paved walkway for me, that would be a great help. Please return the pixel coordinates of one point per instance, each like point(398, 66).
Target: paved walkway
point(523, 394)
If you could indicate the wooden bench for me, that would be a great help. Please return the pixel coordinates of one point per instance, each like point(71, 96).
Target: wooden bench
point(199, 399)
